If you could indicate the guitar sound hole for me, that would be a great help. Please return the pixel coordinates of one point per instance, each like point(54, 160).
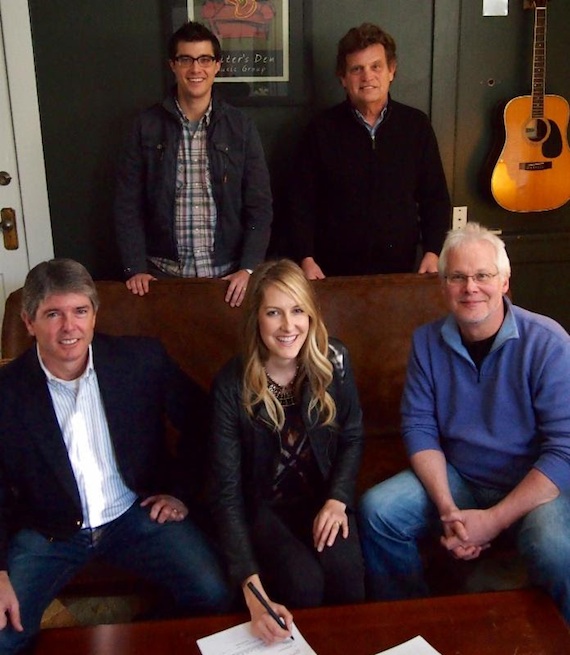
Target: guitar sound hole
point(536, 129)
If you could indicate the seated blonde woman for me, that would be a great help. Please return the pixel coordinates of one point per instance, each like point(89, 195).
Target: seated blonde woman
point(287, 443)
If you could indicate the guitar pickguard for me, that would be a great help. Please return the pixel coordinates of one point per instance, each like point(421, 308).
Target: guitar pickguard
point(552, 147)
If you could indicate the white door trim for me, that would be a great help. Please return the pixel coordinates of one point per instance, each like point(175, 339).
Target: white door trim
point(16, 29)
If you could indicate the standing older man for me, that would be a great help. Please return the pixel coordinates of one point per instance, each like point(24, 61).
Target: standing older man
point(370, 184)
point(84, 469)
point(486, 422)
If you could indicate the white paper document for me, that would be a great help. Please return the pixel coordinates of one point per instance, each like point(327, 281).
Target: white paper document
point(239, 641)
point(416, 646)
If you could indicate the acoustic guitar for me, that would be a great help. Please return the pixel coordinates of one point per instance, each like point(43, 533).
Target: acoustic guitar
point(532, 173)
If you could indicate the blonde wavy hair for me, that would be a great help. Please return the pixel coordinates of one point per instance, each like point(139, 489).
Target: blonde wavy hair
point(314, 365)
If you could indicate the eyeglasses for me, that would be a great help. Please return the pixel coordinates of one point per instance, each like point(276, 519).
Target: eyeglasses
point(459, 279)
point(185, 61)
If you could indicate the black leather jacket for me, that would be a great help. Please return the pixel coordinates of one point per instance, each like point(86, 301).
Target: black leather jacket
point(246, 451)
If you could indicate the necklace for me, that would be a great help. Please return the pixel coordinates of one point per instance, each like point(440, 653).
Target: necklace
point(286, 394)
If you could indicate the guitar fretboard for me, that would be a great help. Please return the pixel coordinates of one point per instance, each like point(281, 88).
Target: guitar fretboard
point(539, 62)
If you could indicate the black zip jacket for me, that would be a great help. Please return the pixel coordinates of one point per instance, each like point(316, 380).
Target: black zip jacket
point(362, 205)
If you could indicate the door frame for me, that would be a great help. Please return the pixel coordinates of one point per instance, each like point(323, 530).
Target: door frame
point(19, 54)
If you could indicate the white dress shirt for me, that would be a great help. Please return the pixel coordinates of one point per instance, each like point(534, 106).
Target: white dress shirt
point(81, 416)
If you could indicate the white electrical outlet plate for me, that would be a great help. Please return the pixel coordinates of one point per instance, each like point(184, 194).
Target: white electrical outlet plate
point(459, 218)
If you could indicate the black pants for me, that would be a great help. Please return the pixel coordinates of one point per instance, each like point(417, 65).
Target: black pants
point(293, 572)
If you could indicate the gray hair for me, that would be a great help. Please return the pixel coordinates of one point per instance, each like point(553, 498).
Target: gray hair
point(56, 276)
point(472, 233)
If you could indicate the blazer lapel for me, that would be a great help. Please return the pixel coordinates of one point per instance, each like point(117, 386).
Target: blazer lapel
point(111, 385)
point(42, 426)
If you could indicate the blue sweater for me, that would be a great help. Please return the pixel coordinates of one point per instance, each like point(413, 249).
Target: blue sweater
point(495, 424)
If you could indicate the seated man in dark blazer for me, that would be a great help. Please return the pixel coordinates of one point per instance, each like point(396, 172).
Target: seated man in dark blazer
point(84, 468)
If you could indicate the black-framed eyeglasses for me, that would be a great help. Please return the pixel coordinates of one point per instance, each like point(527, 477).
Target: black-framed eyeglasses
point(185, 61)
point(460, 279)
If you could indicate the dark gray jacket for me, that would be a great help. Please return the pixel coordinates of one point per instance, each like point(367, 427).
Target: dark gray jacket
point(246, 451)
point(146, 180)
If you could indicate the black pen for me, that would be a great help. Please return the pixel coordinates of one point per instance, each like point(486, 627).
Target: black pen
point(267, 606)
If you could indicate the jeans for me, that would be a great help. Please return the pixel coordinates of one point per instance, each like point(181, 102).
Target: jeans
point(175, 556)
point(396, 514)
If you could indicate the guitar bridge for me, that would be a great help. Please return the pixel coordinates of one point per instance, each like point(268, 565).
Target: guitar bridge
point(535, 165)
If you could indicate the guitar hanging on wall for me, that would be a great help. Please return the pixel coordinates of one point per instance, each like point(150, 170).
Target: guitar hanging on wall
point(532, 173)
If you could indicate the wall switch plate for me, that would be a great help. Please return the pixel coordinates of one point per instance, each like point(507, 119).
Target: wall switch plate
point(459, 218)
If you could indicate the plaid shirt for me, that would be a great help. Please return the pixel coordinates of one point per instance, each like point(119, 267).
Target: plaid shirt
point(195, 212)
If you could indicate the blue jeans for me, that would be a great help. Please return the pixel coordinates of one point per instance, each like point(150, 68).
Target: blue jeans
point(396, 514)
point(175, 556)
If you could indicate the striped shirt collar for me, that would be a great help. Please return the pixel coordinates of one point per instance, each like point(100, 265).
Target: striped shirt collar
point(89, 369)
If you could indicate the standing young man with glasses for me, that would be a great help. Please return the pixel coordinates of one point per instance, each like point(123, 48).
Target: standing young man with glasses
point(193, 196)
point(486, 422)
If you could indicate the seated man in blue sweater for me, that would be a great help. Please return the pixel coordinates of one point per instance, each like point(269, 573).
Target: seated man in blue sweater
point(486, 423)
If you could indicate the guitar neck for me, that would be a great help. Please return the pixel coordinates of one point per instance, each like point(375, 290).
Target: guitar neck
point(539, 60)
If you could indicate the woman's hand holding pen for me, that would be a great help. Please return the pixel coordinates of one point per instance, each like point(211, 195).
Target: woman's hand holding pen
point(263, 625)
point(329, 522)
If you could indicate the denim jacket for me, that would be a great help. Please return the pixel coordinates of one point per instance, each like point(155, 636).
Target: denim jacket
point(144, 206)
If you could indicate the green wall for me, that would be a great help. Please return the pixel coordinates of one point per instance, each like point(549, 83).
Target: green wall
point(100, 61)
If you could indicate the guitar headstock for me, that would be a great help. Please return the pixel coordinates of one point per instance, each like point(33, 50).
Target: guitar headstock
point(534, 4)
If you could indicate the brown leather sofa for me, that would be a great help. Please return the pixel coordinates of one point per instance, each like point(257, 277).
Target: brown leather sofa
point(374, 316)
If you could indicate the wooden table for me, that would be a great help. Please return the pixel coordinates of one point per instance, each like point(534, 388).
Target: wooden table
point(524, 622)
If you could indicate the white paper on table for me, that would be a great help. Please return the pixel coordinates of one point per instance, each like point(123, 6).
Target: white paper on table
point(239, 641)
point(416, 646)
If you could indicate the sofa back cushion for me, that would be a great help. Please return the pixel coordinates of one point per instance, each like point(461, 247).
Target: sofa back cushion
point(374, 315)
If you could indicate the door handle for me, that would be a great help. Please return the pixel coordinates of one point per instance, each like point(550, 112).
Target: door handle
point(8, 227)
point(5, 178)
